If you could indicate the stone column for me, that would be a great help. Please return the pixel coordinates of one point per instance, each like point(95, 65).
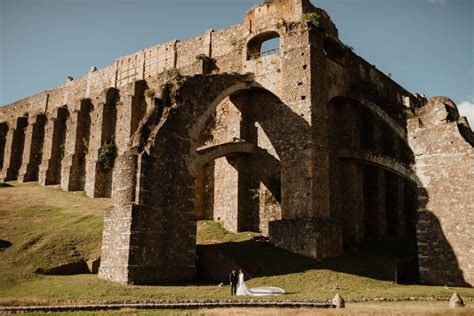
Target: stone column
point(73, 165)
point(8, 152)
point(350, 175)
point(34, 138)
point(15, 142)
point(395, 197)
point(92, 173)
point(380, 216)
point(45, 172)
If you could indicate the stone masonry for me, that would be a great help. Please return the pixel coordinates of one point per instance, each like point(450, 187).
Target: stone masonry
point(306, 143)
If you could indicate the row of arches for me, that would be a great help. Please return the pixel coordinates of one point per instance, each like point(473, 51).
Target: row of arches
point(74, 148)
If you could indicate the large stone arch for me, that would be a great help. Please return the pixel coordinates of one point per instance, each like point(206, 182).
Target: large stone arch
point(150, 233)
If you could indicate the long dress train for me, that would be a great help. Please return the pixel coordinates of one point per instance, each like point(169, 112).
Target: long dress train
point(256, 291)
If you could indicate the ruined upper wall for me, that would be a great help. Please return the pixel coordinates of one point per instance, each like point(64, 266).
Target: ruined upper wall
point(225, 45)
point(445, 167)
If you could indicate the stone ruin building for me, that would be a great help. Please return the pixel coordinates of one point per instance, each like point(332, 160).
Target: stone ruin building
point(307, 143)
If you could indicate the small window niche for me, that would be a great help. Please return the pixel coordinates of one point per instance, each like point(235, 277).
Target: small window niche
point(264, 44)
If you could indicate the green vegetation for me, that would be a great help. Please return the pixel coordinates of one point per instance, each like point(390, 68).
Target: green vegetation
point(210, 232)
point(312, 18)
point(264, 197)
point(48, 227)
point(349, 47)
point(201, 57)
point(150, 93)
point(86, 145)
point(106, 157)
point(409, 113)
point(174, 74)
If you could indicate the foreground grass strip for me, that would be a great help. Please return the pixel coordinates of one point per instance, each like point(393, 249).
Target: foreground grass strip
point(47, 227)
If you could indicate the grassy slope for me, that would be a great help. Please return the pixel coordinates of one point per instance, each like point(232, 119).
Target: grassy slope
point(47, 226)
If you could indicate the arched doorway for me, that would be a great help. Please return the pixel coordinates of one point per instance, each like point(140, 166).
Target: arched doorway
point(150, 234)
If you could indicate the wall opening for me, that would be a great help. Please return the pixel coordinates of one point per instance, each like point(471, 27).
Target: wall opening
point(57, 150)
point(37, 142)
point(241, 191)
point(3, 140)
point(83, 141)
point(264, 44)
point(108, 146)
point(18, 145)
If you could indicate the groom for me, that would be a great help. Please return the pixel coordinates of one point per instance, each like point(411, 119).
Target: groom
point(233, 279)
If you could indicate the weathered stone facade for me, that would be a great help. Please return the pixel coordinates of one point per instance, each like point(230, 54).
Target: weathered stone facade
point(307, 143)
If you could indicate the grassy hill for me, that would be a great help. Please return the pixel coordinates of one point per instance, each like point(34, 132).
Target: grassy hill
point(47, 227)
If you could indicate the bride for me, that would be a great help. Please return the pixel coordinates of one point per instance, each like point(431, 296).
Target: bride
point(256, 291)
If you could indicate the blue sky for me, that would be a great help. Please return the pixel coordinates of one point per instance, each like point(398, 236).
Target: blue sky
point(426, 45)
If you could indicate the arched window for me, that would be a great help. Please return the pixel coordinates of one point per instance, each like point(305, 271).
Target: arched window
point(263, 45)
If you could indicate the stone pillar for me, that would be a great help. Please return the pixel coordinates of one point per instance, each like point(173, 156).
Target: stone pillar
point(53, 147)
point(102, 143)
point(15, 142)
point(32, 154)
point(226, 200)
point(352, 199)
point(149, 236)
point(204, 196)
point(379, 222)
point(115, 256)
point(349, 174)
point(8, 153)
point(395, 197)
point(374, 198)
point(73, 165)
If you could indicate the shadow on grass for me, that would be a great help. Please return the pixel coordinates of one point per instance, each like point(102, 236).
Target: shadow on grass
point(386, 259)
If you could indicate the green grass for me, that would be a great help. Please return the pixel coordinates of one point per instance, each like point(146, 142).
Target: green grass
point(48, 227)
point(211, 232)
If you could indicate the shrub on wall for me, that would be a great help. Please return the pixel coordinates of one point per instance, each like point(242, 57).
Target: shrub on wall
point(150, 93)
point(174, 73)
point(311, 17)
point(107, 153)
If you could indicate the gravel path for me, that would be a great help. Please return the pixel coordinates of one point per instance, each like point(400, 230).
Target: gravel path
point(164, 305)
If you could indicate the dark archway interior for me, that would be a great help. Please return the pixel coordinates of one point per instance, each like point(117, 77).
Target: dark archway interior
point(3, 140)
point(377, 208)
point(36, 149)
point(18, 144)
point(241, 191)
point(57, 147)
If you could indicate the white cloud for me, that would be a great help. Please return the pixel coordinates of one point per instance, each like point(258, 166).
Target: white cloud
point(466, 108)
point(437, 2)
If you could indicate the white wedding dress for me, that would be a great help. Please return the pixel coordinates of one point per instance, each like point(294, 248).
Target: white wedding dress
point(257, 291)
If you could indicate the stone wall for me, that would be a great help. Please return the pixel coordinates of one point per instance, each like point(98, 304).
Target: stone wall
point(445, 167)
point(307, 144)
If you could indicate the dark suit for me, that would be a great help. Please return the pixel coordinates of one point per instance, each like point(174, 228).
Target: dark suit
point(233, 279)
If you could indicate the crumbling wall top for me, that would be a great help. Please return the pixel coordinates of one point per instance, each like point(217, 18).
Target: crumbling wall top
point(272, 12)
